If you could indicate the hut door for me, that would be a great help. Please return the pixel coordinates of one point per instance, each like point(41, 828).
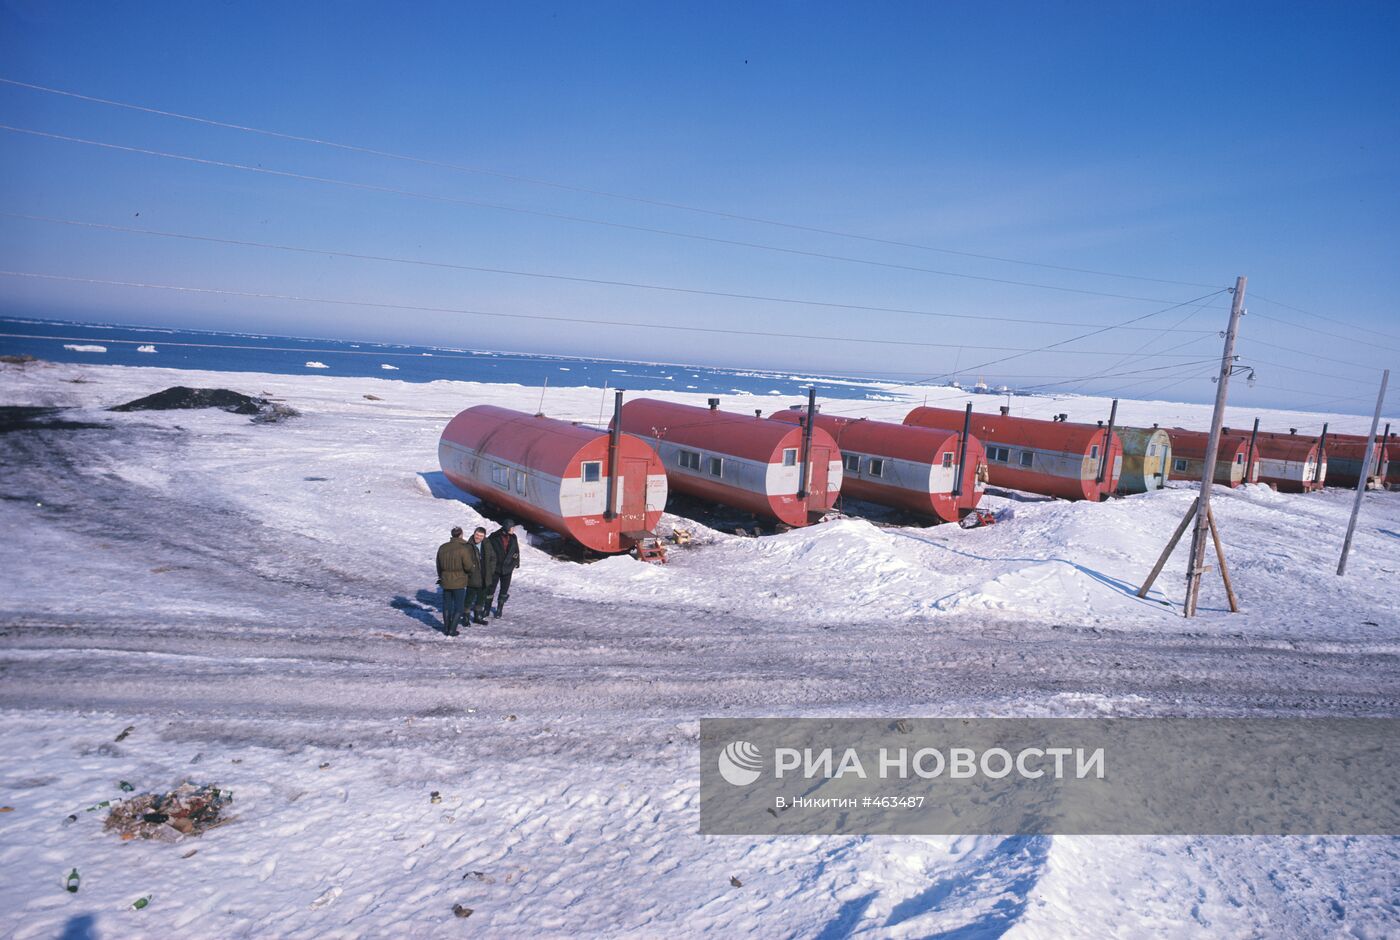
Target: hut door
point(817, 473)
point(633, 513)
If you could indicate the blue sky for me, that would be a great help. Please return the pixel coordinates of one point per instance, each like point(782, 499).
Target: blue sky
point(1188, 142)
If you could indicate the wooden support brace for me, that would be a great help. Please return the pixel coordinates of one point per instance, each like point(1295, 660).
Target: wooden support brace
point(1220, 554)
point(1167, 552)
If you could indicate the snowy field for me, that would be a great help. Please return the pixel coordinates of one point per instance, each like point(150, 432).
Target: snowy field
point(256, 600)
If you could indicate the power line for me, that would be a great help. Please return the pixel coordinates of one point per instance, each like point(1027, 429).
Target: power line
point(259, 295)
point(1325, 375)
point(536, 181)
point(331, 252)
point(1139, 352)
point(1311, 354)
point(1279, 303)
point(1073, 339)
point(559, 216)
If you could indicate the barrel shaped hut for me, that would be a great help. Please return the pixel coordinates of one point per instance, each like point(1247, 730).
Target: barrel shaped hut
point(1055, 458)
point(1345, 454)
point(1233, 465)
point(1291, 463)
point(1147, 459)
point(746, 462)
point(557, 474)
point(925, 471)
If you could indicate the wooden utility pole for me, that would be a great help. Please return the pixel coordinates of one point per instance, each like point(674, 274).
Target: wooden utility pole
point(1196, 564)
point(1200, 507)
point(1365, 474)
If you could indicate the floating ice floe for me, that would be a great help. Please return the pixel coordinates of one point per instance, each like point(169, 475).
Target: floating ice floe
point(385, 365)
point(73, 348)
point(146, 349)
point(313, 364)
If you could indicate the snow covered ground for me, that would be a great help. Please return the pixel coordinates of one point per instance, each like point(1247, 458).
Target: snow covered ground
point(255, 600)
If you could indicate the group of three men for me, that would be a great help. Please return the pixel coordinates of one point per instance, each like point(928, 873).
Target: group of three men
point(470, 570)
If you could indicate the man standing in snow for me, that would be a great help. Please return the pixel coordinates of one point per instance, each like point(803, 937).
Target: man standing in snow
point(478, 594)
point(456, 563)
point(502, 557)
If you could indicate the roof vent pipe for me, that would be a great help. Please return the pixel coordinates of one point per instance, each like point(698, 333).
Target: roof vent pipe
point(614, 438)
point(714, 403)
point(806, 442)
point(1004, 409)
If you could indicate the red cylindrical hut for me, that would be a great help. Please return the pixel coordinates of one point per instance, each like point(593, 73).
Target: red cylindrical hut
point(1345, 452)
point(1290, 463)
point(556, 474)
point(1055, 458)
point(747, 462)
point(1189, 457)
point(910, 468)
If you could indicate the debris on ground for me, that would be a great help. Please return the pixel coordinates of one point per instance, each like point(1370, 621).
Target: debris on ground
point(188, 810)
point(125, 731)
point(735, 882)
point(461, 911)
point(373, 397)
point(262, 410)
point(22, 359)
point(72, 883)
point(435, 797)
point(141, 902)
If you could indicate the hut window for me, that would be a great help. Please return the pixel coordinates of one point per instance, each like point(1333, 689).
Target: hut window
point(1094, 452)
point(688, 459)
point(1239, 459)
point(853, 463)
point(947, 458)
point(1152, 450)
point(501, 477)
point(1027, 457)
point(877, 467)
point(592, 471)
point(789, 456)
point(716, 466)
point(519, 482)
point(1179, 465)
point(999, 454)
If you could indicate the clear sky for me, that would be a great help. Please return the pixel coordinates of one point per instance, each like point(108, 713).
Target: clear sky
point(1187, 142)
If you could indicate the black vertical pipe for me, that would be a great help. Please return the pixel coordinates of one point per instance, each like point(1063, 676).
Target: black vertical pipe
point(1107, 442)
point(807, 441)
point(1321, 454)
point(962, 453)
point(1382, 450)
point(614, 438)
point(1249, 454)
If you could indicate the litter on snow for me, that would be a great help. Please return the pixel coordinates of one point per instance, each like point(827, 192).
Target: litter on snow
point(188, 810)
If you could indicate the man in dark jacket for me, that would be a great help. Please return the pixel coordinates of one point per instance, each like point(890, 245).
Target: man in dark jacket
point(502, 557)
point(478, 594)
point(456, 564)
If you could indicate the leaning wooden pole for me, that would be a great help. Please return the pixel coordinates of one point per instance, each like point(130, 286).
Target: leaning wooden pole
point(1171, 546)
point(1224, 570)
point(1365, 474)
point(1196, 565)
